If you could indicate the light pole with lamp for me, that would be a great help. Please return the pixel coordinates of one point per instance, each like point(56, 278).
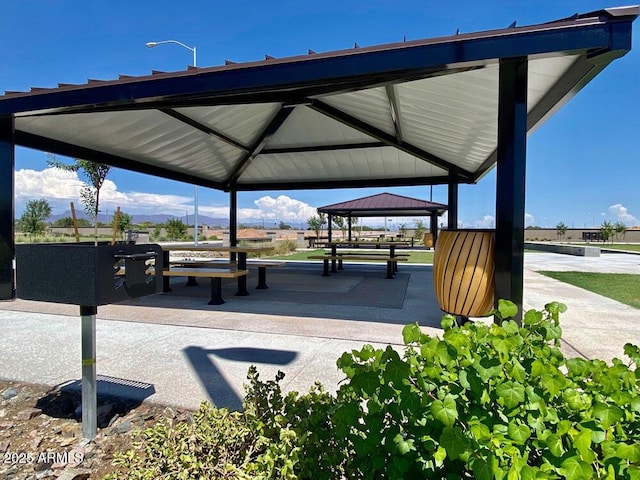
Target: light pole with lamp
point(195, 187)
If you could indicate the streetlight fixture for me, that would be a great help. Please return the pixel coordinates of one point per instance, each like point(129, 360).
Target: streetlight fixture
point(195, 187)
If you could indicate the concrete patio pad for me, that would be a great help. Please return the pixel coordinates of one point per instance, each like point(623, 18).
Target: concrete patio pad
point(188, 351)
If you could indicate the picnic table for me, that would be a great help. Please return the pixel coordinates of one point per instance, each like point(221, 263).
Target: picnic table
point(240, 251)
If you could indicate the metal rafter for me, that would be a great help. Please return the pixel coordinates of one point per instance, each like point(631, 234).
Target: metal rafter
point(203, 128)
point(260, 143)
point(323, 148)
point(395, 111)
point(351, 183)
point(384, 137)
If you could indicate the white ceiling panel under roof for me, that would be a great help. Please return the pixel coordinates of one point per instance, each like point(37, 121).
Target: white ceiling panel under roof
point(351, 165)
point(307, 127)
point(420, 112)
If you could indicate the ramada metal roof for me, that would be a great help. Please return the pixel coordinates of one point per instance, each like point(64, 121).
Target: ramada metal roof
point(411, 113)
point(384, 204)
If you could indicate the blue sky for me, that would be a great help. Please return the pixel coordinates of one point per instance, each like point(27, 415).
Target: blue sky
point(583, 164)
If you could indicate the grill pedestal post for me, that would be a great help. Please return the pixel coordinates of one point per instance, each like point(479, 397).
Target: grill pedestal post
point(89, 380)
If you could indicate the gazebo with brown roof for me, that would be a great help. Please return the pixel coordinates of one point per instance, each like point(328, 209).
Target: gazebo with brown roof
point(385, 205)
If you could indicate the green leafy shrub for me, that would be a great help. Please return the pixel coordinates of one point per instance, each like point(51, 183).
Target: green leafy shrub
point(484, 401)
point(492, 401)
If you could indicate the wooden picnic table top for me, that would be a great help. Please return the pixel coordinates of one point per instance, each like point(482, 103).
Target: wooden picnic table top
point(215, 248)
point(348, 243)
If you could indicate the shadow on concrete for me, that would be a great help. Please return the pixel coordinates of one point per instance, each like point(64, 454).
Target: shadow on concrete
point(211, 377)
point(359, 293)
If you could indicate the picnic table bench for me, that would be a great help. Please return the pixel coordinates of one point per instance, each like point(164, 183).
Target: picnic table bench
point(262, 266)
point(391, 261)
point(215, 274)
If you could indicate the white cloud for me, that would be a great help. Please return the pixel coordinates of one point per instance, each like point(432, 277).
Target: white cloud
point(620, 213)
point(488, 221)
point(282, 208)
point(529, 219)
point(60, 187)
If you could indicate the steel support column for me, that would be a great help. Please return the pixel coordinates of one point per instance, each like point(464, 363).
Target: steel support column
point(329, 227)
point(433, 226)
point(7, 208)
point(89, 378)
point(233, 222)
point(452, 200)
point(510, 183)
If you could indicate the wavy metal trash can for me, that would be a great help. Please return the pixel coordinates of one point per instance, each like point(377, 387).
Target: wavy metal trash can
point(464, 271)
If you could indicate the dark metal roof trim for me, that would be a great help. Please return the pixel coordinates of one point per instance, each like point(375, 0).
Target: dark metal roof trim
point(591, 31)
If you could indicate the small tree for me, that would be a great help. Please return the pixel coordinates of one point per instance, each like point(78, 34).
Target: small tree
point(420, 230)
point(34, 216)
point(95, 174)
point(316, 222)
point(620, 228)
point(339, 222)
point(124, 223)
point(176, 229)
point(606, 230)
point(561, 230)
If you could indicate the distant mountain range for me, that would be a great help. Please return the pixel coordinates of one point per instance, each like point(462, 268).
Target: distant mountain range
point(159, 218)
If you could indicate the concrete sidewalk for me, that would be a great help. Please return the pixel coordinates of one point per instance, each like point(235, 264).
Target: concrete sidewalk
point(177, 350)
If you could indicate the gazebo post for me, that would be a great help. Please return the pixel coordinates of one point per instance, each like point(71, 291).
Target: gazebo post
point(452, 201)
point(7, 208)
point(349, 224)
point(233, 221)
point(433, 226)
point(329, 229)
point(510, 181)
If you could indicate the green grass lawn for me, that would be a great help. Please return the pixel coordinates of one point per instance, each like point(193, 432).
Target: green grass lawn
point(623, 287)
point(632, 247)
point(414, 257)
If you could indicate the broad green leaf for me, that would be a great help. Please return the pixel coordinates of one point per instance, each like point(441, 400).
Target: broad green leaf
point(511, 393)
point(528, 473)
point(635, 403)
point(532, 317)
point(633, 352)
point(411, 333)
point(577, 367)
point(553, 383)
point(556, 307)
point(483, 469)
point(575, 400)
point(582, 443)
point(629, 452)
point(447, 321)
point(367, 352)
point(445, 410)
point(575, 469)
point(519, 433)
point(554, 443)
point(607, 414)
point(445, 352)
point(507, 309)
point(396, 372)
point(480, 432)
point(365, 382)
point(440, 455)
point(454, 442)
point(403, 446)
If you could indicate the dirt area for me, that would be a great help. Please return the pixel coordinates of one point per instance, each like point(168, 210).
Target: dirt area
point(41, 437)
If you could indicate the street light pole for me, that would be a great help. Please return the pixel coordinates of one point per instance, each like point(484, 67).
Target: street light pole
point(195, 187)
